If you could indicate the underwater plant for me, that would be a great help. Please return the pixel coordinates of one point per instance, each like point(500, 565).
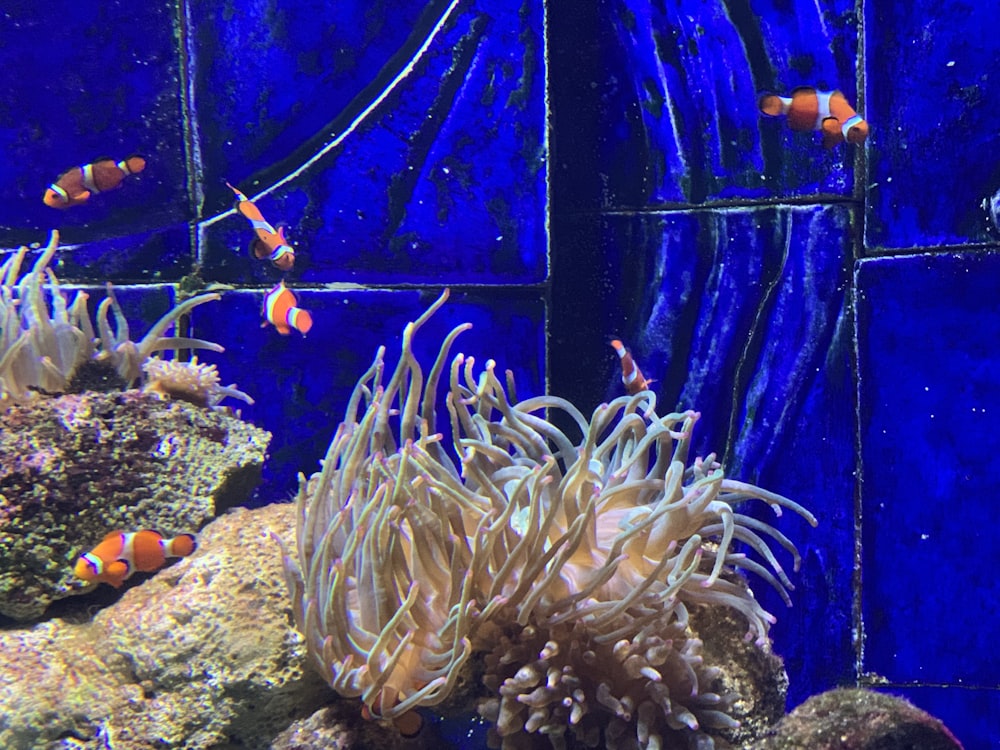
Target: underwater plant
point(45, 339)
point(568, 566)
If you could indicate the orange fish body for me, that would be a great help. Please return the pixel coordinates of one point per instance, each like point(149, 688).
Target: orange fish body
point(122, 553)
point(281, 310)
point(269, 243)
point(632, 376)
point(811, 109)
point(75, 186)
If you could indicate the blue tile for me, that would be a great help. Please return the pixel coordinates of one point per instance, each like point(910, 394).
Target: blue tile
point(736, 308)
point(932, 125)
point(301, 384)
point(970, 715)
point(443, 179)
point(273, 75)
point(155, 256)
point(927, 327)
point(92, 80)
point(676, 100)
point(739, 313)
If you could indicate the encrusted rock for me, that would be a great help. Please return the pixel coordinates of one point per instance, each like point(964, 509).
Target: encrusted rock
point(199, 656)
point(856, 719)
point(75, 467)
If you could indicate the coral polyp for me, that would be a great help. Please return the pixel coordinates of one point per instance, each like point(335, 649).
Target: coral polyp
point(570, 565)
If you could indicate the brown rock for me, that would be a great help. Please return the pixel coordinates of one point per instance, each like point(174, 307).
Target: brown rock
point(857, 719)
point(200, 655)
point(75, 467)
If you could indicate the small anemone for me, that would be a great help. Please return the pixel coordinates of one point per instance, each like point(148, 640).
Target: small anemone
point(193, 381)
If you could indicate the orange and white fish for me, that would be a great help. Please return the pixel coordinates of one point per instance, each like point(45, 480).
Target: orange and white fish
point(269, 243)
point(121, 553)
point(281, 310)
point(809, 108)
point(632, 376)
point(75, 186)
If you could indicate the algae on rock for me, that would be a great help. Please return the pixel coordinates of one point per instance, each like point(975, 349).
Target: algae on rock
point(75, 467)
point(200, 655)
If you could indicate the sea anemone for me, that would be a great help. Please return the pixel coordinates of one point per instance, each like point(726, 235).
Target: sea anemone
point(45, 339)
point(194, 382)
point(570, 565)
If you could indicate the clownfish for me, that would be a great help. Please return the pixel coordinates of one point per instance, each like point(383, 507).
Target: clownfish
point(121, 553)
point(280, 310)
point(76, 185)
point(811, 109)
point(269, 243)
point(408, 724)
point(632, 376)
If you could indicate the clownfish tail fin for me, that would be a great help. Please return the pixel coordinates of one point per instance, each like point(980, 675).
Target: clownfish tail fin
point(181, 545)
point(771, 105)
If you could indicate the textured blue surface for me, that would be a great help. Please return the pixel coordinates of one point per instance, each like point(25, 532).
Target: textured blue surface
point(83, 81)
point(435, 173)
point(929, 398)
point(930, 170)
point(678, 85)
point(301, 384)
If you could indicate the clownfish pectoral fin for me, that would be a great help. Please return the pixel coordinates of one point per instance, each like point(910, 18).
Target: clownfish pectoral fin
point(117, 571)
point(258, 250)
point(84, 196)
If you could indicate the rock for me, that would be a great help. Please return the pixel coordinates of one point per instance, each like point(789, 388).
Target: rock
point(75, 467)
point(857, 719)
point(200, 655)
point(754, 674)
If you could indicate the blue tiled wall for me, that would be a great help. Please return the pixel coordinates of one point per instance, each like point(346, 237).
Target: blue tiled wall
point(580, 170)
point(800, 298)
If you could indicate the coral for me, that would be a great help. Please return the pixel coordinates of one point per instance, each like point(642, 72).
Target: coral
point(198, 656)
point(43, 347)
point(574, 565)
point(191, 381)
point(74, 467)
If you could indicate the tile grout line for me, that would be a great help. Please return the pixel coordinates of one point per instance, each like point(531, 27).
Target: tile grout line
point(858, 242)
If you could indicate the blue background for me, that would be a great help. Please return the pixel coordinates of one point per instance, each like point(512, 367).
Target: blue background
point(576, 171)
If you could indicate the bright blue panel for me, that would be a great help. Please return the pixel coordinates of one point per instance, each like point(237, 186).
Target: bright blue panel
point(91, 80)
point(739, 313)
point(301, 384)
point(273, 75)
point(927, 333)
point(161, 255)
point(934, 130)
point(443, 179)
point(678, 99)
